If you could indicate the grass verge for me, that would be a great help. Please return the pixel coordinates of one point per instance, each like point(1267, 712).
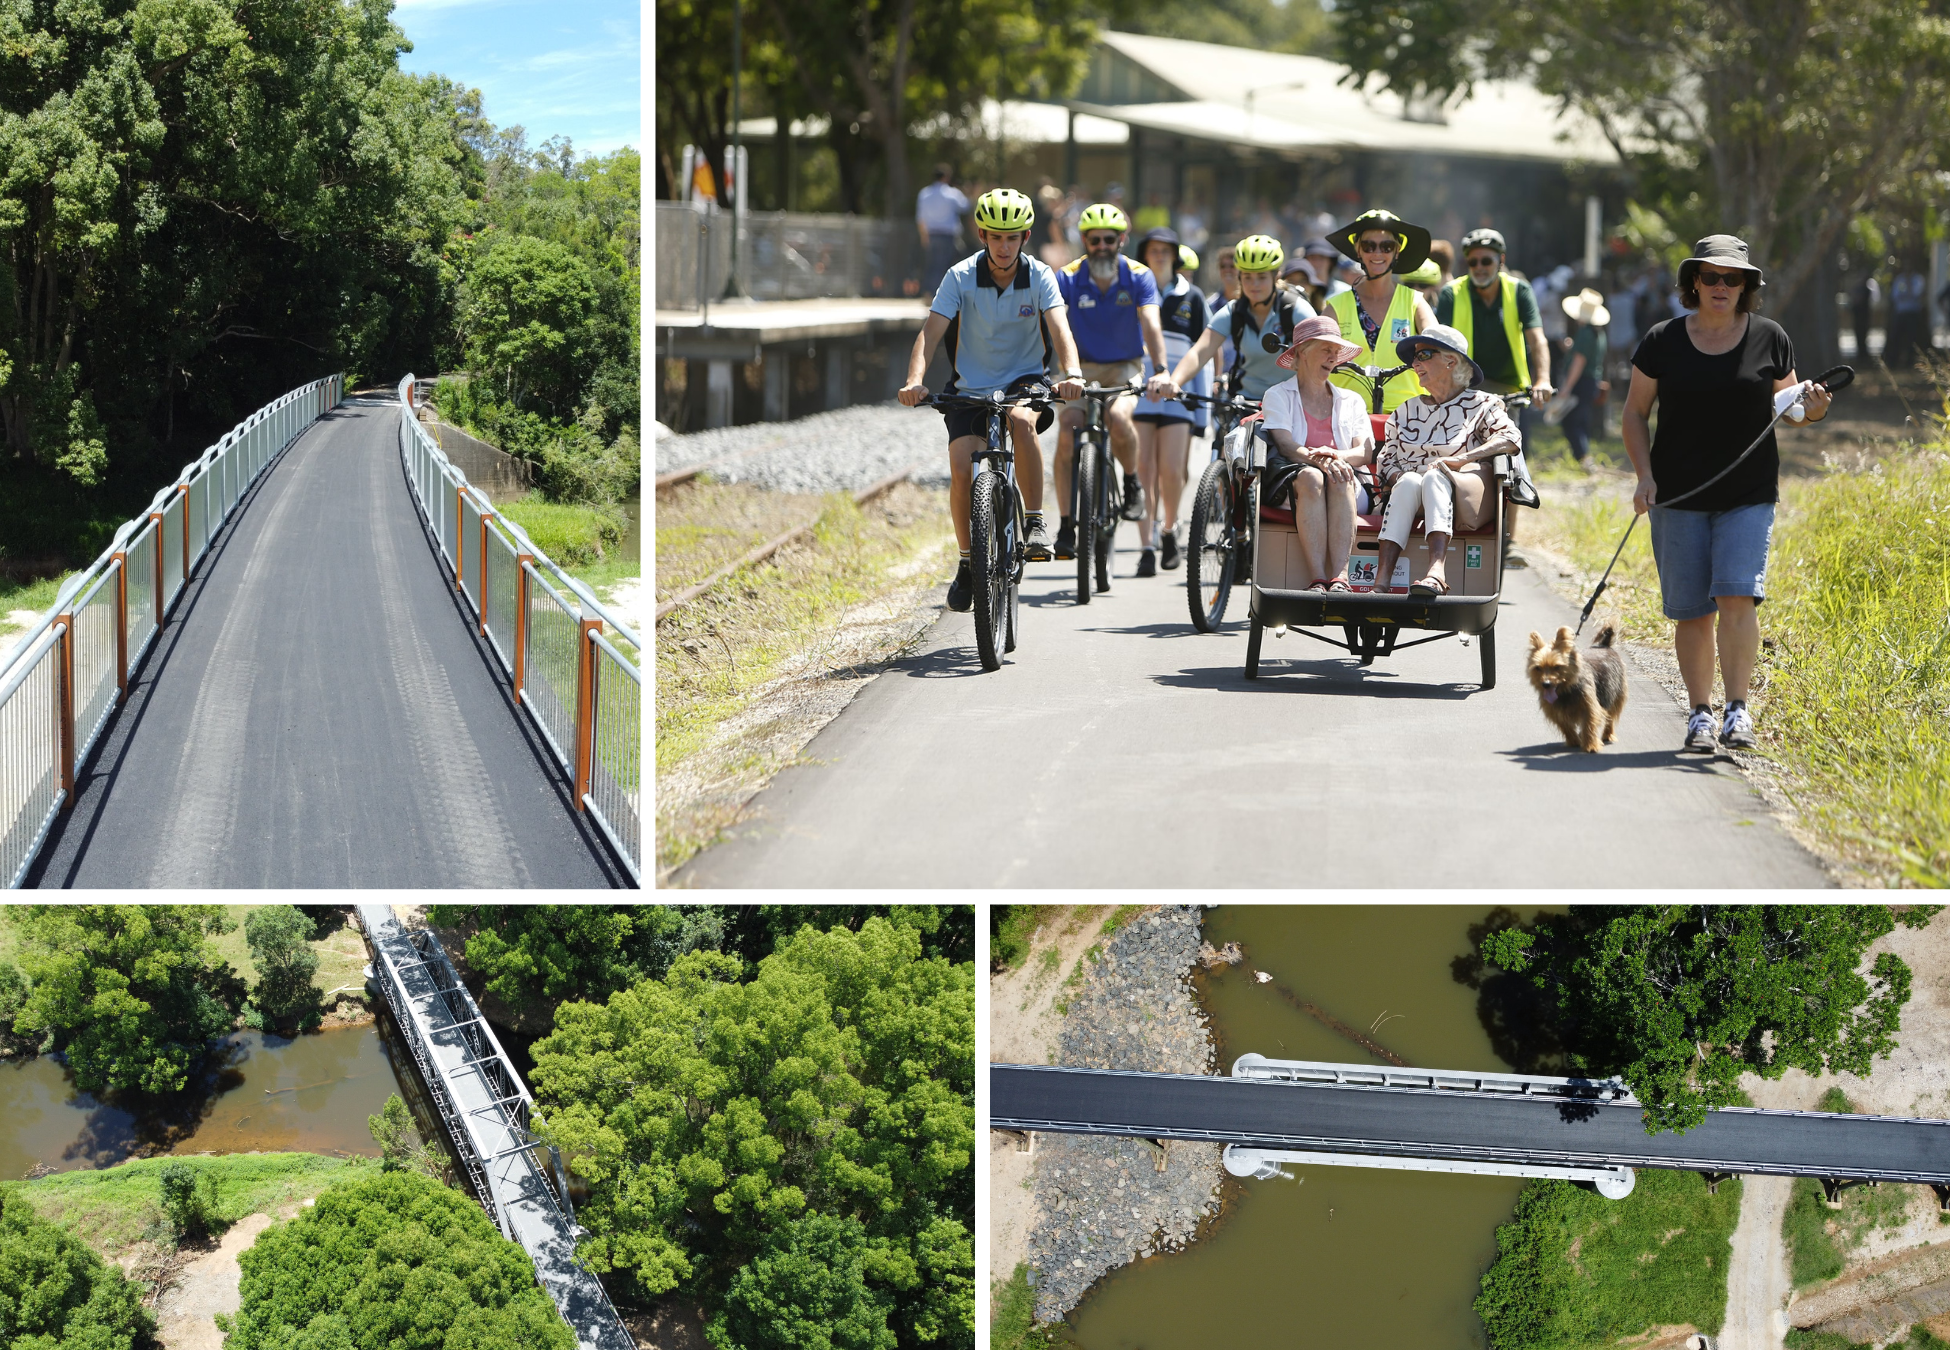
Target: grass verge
point(1852, 695)
point(1014, 1325)
point(575, 536)
point(116, 1207)
point(1819, 1239)
point(727, 653)
point(1575, 1269)
point(1011, 927)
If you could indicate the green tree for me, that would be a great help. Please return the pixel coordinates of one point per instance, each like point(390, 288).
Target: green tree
point(277, 935)
point(807, 1289)
point(56, 1293)
point(189, 1198)
point(524, 308)
point(756, 931)
point(707, 1113)
point(1300, 26)
point(534, 956)
point(130, 992)
point(392, 1262)
point(401, 1146)
point(1681, 1001)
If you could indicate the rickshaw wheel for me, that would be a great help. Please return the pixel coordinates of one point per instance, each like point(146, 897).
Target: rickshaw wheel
point(1253, 636)
point(1209, 557)
point(1487, 641)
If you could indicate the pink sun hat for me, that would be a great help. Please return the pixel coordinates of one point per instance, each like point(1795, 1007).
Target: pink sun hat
point(1320, 328)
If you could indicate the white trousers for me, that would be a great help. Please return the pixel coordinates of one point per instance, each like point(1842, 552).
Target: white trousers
point(1428, 491)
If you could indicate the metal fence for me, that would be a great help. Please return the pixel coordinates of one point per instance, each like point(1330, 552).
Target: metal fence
point(576, 667)
point(67, 674)
point(782, 255)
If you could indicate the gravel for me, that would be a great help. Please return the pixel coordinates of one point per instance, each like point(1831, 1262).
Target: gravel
point(842, 450)
point(1103, 1201)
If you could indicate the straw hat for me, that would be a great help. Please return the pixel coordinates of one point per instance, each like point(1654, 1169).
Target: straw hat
point(1587, 306)
point(1320, 328)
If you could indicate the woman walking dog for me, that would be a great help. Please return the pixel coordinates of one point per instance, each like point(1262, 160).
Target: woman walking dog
point(1715, 373)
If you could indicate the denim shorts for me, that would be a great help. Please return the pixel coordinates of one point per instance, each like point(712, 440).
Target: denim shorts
point(1702, 554)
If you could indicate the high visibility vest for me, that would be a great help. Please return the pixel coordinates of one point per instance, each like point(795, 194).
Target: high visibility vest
point(1399, 323)
point(1464, 305)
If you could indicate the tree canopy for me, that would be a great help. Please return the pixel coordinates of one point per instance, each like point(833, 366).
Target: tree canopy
point(395, 1261)
point(56, 1294)
point(130, 992)
point(277, 935)
point(533, 956)
point(796, 1149)
point(1680, 1001)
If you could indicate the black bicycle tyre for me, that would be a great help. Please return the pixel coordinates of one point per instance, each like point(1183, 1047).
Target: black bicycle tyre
point(1084, 461)
point(1487, 641)
point(1015, 571)
point(987, 556)
point(1208, 560)
point(1254, 635)
point(1109, 513)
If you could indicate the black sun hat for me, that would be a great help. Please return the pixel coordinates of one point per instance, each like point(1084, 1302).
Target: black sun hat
point(1722, 250)
point(1414, 239)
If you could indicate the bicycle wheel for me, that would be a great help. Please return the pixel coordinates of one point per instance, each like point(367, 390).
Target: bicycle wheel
point(1085, 460)
point(1209, 553)
point(988, 554)
point(1108, 515)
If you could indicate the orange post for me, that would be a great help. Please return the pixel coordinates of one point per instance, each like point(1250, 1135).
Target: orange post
point(481, 588)
point(585, 707)
point(157, 517)
point(521, 618)
point(184, 488)
point(66, 672)
point(121, 626)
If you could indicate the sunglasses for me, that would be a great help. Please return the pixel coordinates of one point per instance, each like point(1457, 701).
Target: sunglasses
point(1383, 246)
point(1478, 263)
point(1423, 354)
point(1098, 240)
point(1733, 280)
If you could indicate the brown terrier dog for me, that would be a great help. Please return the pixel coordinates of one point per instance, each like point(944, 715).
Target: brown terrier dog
point(1582, 693)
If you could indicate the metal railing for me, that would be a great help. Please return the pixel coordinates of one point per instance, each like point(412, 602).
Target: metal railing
point(71, 669)
point(575, 666)
point(1257, 1066)
point(782, 255)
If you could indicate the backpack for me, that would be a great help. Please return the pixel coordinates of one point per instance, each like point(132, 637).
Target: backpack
point(1284, 322)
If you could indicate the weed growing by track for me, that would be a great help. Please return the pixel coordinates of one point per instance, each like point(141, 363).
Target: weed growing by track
point(1014, 1325)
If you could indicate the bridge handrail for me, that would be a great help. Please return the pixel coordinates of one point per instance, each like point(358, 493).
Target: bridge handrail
point(42, 751)
point(1259, 1068)
point(599, 744)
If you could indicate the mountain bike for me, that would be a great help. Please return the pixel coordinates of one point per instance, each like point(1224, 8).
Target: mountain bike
point(1096, 494)
point(996, 525)
point(1220, 550)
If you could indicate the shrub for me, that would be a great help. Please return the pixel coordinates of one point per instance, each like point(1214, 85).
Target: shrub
point(13, 995)
point(392, 1262)
point(189, 1199)
point(55, 1292)
point(401, 1146)
point(277, 935)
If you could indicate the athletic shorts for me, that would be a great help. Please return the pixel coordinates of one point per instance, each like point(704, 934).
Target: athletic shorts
point(1701, 554)
point(1107, 373)
point(965, 419)
point(1162, 419)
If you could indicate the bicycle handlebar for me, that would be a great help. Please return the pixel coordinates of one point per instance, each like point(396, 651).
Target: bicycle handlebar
point(1216, 401)
point(1112, 391)
point(1042, 398)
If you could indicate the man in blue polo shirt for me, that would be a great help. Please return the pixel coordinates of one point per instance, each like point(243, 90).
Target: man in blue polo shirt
point(1002, 319)
point(1113, 305)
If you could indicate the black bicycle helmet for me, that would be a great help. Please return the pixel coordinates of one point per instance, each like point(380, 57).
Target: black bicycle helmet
point(1160, 235)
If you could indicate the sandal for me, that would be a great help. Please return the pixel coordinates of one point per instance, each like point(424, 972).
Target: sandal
point(1430, 585)
point(1321, 584)
point(1339, 584)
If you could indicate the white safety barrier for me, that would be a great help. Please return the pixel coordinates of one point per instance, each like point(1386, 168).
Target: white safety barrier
point(584, 690)
point(67, 674)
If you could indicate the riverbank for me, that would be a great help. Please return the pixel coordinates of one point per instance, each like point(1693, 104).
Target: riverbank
point(1110, 993)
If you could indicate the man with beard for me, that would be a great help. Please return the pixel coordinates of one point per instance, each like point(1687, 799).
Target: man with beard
point(1113, 308)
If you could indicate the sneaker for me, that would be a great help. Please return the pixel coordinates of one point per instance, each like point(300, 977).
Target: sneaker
point(1737, 732)
point(1035, 543)
point(1066, 539)
point(961, 591)
point(1168, 555)
point(1133, 496)
point(1147, 564)
point(1699, 730)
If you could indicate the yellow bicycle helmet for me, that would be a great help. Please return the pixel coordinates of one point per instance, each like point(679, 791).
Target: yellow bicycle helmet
point(1258, 253)
point(1102, 216)
point(1005, 211)
point(1187, 259)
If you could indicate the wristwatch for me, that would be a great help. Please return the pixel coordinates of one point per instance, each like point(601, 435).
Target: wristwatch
point(1070, 375)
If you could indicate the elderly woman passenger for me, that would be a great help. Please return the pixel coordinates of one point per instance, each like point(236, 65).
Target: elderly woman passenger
point(1429, 444)
point(1324, 428)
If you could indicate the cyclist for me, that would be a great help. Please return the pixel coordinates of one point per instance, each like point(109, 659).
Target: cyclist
point(1113, 308)
point(1165, 429)
point(1380, 311)
point(1001, 317)
point(1264, 307)
point(1501, 322)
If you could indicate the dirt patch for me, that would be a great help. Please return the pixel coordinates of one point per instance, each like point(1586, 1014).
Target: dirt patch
point(1758, 1281)
point(204, 1285)
point(673, 1326)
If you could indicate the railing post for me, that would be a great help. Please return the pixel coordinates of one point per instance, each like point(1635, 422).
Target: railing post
point(522, 560)
point(157, 516)
point(65, 667)
point(121, 626)
point(585, 706)
point(481, 589)
point(184, 488)
point(460, 535)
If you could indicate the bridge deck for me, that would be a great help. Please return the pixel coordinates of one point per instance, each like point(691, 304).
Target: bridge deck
point(1425, 1123)
point(319, 711)
point(479, 1121)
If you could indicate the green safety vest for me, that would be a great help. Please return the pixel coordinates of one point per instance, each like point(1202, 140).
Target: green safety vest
point(1399, 323)
point(1464, 305)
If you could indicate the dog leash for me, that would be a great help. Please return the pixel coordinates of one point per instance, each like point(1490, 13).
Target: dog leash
point(1834, 381)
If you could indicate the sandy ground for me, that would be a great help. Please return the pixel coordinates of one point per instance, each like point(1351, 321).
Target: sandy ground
point(1757, 1272)
point(204, 1286)
point(1023, 1029)
point(625, 600)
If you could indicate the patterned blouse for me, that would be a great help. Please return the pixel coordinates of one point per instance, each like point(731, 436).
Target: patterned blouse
point(1419, 433)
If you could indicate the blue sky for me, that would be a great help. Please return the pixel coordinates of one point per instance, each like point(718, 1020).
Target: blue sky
point(557, 67)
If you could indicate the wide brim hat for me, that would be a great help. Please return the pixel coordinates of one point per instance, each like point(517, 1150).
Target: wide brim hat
point(1161, 235)
point(1295, 263)
point(1414, 250)
point(1442, 338)
point(1587, 306)
point(1722, 250)
point(1320, 328)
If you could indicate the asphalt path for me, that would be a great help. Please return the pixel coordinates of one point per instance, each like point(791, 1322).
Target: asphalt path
point(1453, 1124)
point(1119, 747)
point(318, 711)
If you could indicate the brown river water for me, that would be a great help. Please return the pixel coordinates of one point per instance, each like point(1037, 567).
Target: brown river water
point(258, 1092)
point(1346, 1256)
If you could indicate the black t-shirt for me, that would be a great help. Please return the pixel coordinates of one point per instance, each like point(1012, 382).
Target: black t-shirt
point(1711, 408)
